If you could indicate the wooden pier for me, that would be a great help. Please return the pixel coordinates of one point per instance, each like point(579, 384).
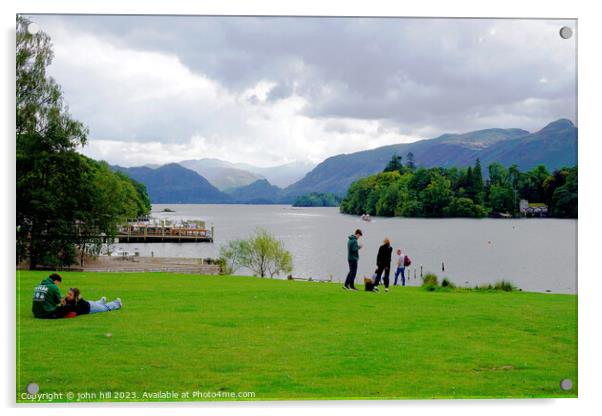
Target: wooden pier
point(147, 233)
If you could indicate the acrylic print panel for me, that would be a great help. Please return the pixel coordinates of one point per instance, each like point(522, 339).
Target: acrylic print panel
point(295, 208)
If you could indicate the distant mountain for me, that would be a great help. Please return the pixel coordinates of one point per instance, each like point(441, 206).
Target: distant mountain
point(259, 192)
point(282, 175)
point(226, 175)
point(174, 184)
point(221, 174)
point(553, 146)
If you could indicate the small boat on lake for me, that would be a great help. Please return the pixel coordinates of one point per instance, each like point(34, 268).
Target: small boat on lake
point(366, 217)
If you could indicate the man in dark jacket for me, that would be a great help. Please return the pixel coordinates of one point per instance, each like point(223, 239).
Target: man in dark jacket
point(383, 263)
point(353, 256)
point(47, 300)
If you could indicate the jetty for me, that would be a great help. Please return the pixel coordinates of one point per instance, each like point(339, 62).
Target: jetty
point(144, 232)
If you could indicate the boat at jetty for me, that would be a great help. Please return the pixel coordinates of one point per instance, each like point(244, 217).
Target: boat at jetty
point(165, 232)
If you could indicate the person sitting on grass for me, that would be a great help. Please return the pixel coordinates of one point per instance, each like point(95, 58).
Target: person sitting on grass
point(47, 302)
point(75, 303)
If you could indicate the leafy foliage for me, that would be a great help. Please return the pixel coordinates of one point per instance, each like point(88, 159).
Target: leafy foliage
point(454, 192)
point(447, 283)
point(430, 282)
point(65, 201)
point(262, 253)
point(317, 199)
point(394, 164)
point(564, 198)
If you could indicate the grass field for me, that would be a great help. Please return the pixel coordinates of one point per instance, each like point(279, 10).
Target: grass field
point(295, 340)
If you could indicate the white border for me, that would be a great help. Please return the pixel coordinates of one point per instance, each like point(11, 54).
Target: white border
point(590, 190)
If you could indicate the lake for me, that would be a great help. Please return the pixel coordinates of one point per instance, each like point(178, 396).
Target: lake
point(535, 254)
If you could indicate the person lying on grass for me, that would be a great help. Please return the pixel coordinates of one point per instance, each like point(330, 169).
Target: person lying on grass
point(47, 302)
point(75, 303)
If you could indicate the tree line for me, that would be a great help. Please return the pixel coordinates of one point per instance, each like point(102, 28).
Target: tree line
point(317, 199)
point(65, 201)
point(408, 191)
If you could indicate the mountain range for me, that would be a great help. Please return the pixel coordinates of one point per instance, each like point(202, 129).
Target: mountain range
point(554, 146)
point(216, 181)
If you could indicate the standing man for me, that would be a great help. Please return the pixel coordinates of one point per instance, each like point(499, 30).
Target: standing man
point(353, 255)
point(383, 263)
point(400, 268)
point(47, 300)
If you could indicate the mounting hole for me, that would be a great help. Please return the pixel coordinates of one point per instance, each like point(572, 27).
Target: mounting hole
point(33, 28)
point(566, 32)
point(33, 388)
point(566, 384)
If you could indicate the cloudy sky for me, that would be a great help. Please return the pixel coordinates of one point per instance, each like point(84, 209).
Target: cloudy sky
point(268, 91)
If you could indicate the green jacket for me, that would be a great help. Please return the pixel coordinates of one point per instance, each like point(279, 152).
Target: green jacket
point(46, 298)
point(353, 249)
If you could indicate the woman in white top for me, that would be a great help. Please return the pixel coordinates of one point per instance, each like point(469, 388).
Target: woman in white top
point(400, 268)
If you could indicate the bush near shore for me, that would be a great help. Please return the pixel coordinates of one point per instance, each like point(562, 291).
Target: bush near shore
point(430, 282)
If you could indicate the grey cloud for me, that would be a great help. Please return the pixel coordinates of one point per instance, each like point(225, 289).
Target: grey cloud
point(433, 75)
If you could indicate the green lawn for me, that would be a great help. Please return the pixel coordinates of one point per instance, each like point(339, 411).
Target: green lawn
point(296, 340)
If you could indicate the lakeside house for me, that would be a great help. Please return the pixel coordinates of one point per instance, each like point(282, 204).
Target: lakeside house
point(532, 209)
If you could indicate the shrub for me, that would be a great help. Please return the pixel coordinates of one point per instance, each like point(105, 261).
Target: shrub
point(430, 279)
point(430, 282)
point(483, 287)
point(223, 266)
point(447, 283)
point(262, 253)
point(501, 285)
point(504, 285)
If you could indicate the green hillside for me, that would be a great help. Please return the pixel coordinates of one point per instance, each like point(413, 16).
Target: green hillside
point(259, 192)
point(175, 184)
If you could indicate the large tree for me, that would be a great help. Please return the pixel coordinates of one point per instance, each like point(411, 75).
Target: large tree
point(394, 164)
point(47, 163)
point(436, 196)
point(58, 189)
point(410, 162)
point(564, 202)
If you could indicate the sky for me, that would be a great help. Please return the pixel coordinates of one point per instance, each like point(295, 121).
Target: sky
point(274, 90)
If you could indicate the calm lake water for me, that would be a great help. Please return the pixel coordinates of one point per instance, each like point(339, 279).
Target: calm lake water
point(535, 254)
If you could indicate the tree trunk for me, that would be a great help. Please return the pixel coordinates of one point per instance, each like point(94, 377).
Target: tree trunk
point(82, 253)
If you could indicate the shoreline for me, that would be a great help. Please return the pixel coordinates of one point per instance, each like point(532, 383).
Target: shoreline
point(193, 266)
point(140, 264)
